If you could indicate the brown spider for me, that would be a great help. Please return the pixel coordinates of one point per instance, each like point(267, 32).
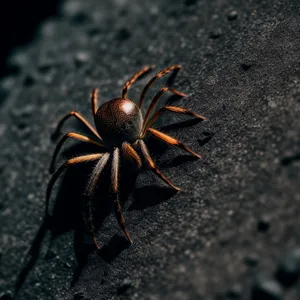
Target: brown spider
point(122, 128)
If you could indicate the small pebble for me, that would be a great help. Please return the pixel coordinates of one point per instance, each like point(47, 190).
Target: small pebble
point(81, 58)
point(7, 83)
point(263, 224)
point(246, 66)
point(288, 271)
point(251, 259)
point(29, 80)
point(123, 34)
point(16, 62)
point(216, 33)
point(48, 29)
point(287, 160)
point(267, 289)
point(224, 239)
point(232, 15)
point(207, 136)
point(124, 286)
point(18, 58)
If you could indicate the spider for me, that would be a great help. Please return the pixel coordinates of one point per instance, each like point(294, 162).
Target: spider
point(120, 129)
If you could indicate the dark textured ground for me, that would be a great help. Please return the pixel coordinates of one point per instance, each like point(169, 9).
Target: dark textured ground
point(239, 209)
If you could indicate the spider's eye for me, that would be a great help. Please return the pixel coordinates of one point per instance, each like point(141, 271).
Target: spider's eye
point(119, 120)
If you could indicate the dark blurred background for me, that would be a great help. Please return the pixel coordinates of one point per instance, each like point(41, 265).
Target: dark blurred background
point(18, 23)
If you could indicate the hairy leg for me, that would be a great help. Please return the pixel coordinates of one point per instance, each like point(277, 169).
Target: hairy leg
point(156, 99)
point(75, 136)
point(94, 101)
point(153, 166)
point(68, 163)
point(168, 139)
point(96, 174)
point(80, 118)
point(135, 77)
point(131, 154)
point(175, 109)
point(115, 190)
point(94, 179)
point(175, 69)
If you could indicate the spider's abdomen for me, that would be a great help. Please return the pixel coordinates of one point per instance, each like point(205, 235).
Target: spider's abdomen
point(119, 120)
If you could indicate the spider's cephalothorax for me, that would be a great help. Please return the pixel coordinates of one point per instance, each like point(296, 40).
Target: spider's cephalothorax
point(119, 126)
point(119, 120)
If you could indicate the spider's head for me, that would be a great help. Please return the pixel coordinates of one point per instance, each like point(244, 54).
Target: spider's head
point(119, 120)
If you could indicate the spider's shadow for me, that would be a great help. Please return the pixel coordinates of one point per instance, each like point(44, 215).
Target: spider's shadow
point(66, 213)
point(71, 210)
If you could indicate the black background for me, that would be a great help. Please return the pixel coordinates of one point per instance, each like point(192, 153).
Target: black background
point(18, 24)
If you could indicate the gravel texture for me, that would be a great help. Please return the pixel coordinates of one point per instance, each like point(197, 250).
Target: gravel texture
point(233, 230)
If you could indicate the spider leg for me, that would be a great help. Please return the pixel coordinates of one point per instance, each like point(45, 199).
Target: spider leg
point(169, 140)
point(175, 69)
point(91, 187)
point(94, 101)
point(72, 135)
point(80, 118)
point(175, 109)
point(153, 166)
point(131, 154)
point(115, 190)
point(68, 163)
point(135, 77)
point(96, 174)
point(156, 99)
point(91, 227)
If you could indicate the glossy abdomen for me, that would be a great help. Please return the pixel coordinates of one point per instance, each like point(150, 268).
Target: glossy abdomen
point(119, 120)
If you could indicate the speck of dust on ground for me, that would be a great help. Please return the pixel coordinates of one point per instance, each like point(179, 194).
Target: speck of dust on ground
point(233, 232)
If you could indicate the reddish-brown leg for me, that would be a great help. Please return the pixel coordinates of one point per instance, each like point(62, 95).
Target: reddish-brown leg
point(75, 136)
point(80, 118)
point(156, 99)
point(131, 154)
point(91, 187)
point(68, 163)
point(135, 77)
point(174, 68)
point(94, 101)
point(153, 166)
point(115, 190)
point(175, 109)
point(89, 214)
point(166, 138)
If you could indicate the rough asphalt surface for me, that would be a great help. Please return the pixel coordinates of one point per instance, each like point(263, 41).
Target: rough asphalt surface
point(233, 232)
